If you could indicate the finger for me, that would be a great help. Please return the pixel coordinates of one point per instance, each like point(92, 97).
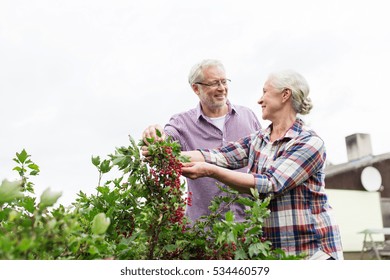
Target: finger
point(187, 164)
point(151, 133)
point(146, 137)
point(186, 172)
point(144, 151)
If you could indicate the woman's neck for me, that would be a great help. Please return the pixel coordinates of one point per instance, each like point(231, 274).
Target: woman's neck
point(280, 127)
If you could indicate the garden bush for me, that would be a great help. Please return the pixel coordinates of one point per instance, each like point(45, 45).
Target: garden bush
point(140, 214)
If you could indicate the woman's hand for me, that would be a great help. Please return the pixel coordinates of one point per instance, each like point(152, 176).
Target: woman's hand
point(242, 182)
point(195, 170)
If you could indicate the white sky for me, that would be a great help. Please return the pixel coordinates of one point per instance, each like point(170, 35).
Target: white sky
point(78, 76)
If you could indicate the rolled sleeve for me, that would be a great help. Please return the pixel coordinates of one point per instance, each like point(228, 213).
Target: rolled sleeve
point(262, 183)
point(214, 158)
point(206, 154)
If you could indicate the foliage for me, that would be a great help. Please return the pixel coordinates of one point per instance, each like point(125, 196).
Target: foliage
point(33, 230)
point(139, 215)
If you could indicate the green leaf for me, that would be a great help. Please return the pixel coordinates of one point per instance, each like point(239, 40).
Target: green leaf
point(245, 201)
point(158, 133)
point(253, 250)
point(95, 160)
point(117, 160)
point(255, 193)
point(93, 250)
point(231, 237)
point(105, 166)
point(255, 230)
point(25, 244)
point(183, 158)
point(33, 166)
point(48, 198)
point(221, 238)
point(240, 255)
point(19, 169)
point(13, 214)
point(22, 156)
point(100, 223)
point(103, 189)
point(170, 247)
point(229, 216)
point(10, 191)
point(29, 204)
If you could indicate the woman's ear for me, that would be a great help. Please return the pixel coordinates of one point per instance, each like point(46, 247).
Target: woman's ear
point(286, 93)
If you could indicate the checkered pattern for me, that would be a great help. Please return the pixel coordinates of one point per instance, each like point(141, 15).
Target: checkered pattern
point(291, 171)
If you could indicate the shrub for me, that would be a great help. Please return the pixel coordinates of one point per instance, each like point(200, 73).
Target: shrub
point(138, 215)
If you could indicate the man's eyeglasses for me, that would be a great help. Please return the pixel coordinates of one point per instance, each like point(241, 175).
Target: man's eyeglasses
point(215, 84)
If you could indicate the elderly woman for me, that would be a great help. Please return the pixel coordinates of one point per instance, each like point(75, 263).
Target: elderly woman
point(285, 161)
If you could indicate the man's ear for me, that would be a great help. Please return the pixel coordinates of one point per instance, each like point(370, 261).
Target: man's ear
point(195, 88)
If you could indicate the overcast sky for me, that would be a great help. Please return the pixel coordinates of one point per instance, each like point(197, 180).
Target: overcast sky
point(77, 77)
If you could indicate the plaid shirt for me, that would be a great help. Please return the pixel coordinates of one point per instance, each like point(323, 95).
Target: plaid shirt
point(291, 171)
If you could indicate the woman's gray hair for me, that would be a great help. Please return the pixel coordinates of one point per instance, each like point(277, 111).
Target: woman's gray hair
point(196, 73)
point(299, 87)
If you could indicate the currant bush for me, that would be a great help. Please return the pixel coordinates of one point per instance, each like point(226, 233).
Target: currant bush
point(139, 214)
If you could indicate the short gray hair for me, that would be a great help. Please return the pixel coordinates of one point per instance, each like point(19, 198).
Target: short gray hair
point(196, 73)
point(299, 87)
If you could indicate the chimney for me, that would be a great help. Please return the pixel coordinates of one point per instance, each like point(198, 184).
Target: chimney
point(358, 146)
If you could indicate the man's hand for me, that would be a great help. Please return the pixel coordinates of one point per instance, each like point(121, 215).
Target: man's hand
point(155, 132)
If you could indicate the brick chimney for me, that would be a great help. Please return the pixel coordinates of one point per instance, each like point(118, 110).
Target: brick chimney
point(358, 146)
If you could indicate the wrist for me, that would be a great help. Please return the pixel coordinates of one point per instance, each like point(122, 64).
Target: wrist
point(212, 170)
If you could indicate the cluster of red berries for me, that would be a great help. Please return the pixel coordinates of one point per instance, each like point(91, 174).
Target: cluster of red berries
point(188, 199)
point(166, 172)
point(228, 252)
point(177, 216)
point(224, 252)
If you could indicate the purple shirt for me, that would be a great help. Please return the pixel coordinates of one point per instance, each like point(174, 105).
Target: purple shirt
point(193, 130)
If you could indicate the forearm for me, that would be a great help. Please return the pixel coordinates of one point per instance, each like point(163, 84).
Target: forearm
point(195, 156)
point(242, 182)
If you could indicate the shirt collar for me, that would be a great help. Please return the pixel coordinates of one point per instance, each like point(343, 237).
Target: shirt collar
point(199, 112)
point(292, 132)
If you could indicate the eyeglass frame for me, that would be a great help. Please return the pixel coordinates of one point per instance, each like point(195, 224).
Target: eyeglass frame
point(215, 84)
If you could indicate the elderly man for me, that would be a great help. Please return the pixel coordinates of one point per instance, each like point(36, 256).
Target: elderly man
point(213, 123)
